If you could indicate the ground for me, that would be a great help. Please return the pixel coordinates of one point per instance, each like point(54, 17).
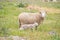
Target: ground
point(48, 30)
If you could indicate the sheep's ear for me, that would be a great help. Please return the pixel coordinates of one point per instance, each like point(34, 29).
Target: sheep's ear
point(40, 12)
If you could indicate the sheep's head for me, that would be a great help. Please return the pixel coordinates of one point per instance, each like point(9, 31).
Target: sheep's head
point(43, 13)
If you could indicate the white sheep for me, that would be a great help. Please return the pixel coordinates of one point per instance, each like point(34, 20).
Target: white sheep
point(30, 18)
point(26, 26)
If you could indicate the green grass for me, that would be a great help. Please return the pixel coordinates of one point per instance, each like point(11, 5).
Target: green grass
point(9, 23)
point(42, 4)
point(49, 4)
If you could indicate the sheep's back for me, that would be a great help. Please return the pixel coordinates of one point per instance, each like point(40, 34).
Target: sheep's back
point(28, 18)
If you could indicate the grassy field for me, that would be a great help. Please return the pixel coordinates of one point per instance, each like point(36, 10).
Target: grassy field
point(48, 30)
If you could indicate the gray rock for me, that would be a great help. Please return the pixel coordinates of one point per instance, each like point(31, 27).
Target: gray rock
point(52, 33)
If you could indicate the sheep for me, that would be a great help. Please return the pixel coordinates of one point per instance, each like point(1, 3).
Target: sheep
point(31, 26)
point(30, 18)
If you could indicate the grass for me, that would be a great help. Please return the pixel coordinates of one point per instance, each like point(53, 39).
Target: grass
point(9, 23)
point(42, 4)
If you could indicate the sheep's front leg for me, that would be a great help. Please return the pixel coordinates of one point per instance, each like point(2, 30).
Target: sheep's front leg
point(36, 28)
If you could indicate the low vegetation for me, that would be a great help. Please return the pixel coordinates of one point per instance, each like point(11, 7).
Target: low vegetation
point(48, 30)
point(22, 5)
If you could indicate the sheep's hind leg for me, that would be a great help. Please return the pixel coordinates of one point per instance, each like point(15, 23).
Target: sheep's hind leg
point(19, 24)
point(32, 29)
point(36, 28)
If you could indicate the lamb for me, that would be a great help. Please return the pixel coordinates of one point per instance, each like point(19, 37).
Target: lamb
point(31, 18)
point(31, 26)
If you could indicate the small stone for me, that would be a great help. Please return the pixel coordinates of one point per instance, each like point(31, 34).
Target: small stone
point(52, 32)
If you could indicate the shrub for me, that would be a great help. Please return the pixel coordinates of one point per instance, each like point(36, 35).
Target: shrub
point(22, 5)
point(3, 31)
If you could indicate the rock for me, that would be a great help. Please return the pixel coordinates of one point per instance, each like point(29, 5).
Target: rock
point(15, 37)
point(3, 38)
point(52, 33)
point(18, 38)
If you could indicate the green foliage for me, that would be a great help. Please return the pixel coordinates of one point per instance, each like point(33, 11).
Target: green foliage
point(22, 5)
point(9, 22)
point(49, 4)
point(4, 31)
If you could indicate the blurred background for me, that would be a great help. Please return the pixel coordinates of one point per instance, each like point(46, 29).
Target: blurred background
point(48, 30)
